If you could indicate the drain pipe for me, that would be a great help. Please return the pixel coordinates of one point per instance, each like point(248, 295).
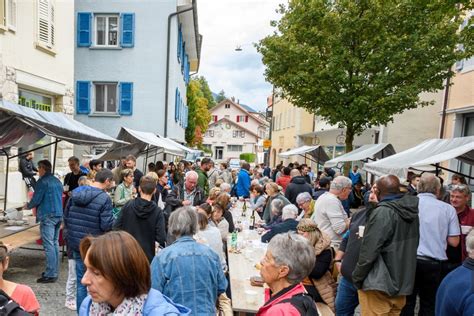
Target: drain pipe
point(445, 106)
point(167, 79)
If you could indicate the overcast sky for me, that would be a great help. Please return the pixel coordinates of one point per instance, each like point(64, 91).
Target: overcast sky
point(225, 24)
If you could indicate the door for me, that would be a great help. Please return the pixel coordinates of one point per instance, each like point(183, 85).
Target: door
point(219, 153)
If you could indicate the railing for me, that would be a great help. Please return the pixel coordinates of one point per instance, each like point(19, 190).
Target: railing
point(34, 105)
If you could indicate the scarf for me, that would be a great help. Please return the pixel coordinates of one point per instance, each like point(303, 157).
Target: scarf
point(132, 306)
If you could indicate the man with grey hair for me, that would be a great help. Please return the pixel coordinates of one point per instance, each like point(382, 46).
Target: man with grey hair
point(288, 222)
point(329, 213)
point(225, 187)
point(459, 199)
point(189, 194)
point(439, 226)
point(455, 295)
point(188, 272)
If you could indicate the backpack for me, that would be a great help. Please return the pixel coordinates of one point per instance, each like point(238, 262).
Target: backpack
point(10, 307)
point(303, 303)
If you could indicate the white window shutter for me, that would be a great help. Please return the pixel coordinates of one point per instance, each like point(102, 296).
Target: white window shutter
point(46, 23)
point(11, 20)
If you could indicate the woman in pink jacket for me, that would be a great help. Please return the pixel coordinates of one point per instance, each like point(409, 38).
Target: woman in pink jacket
point(283, 272)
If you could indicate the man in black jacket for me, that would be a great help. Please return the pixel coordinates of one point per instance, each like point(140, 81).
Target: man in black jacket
point(28, 170)
point(189, 194)
point(296, 186)
point(143, 219)
point(288, 223)
point(385, 271)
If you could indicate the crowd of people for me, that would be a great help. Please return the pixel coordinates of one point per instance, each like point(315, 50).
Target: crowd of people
point(155, 243)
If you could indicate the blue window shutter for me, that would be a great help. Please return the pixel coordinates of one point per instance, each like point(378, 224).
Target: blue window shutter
point(83, 93)
point(183, 52)
point(180, 42)
point(128, 26)
point(176, 107)
point(186, 116)
point(126, 98)
point(84, 27)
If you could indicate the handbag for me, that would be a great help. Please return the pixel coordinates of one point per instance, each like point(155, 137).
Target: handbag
point(224, 306)
point(116, 210)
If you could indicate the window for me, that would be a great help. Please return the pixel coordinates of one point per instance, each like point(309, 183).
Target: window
point(227, 116)
point(242, 118)
point(3, 14)
point(468, 130)
point(106, 30)
point(46, 23)
point(227, 106)
point(105, 97)
point(235, 148)
point(235, 134)
point(11, 14)
point(35, 100)
point(210, 133)
point(242, 134)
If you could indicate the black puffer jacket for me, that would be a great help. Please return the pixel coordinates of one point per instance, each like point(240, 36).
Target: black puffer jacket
point(88, 212)
point(296, 186)
point(145, 221)
point(387, 259)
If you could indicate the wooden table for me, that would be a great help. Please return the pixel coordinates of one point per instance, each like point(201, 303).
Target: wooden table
point(22, 235)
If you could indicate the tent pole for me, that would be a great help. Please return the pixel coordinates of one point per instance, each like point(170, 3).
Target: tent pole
point(456, 172)
point(6, 182)
point(145, 167)
point(55, 154)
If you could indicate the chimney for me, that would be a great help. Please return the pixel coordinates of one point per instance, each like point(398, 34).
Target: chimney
point(233, 99)
point(238, 101)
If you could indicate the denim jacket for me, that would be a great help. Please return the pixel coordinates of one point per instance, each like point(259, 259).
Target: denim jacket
point(48, 197)
point(190, 274)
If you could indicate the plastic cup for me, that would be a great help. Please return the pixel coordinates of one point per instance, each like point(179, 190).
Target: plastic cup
point(465, 229)
point(250, 297)
point(361, 231)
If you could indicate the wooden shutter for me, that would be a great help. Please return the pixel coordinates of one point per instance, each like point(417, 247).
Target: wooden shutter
point(246, 118)
point(180, 42)
point(46, 23)
point(126, 98)
point(11, 19)
point(176, 106)
point(83, 89)
point(238, 119)
point(84, 27)
point(128, 26)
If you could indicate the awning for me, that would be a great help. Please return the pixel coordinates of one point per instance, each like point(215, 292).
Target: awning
point(317, 152)
point(139, 143)
point(363, 153)
point(21, 126)
point(176, 144)
point(424, 156)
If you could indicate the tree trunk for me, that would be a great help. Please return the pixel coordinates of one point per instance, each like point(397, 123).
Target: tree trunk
point(349, 146)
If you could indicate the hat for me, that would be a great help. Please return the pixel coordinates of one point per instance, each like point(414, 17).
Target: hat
point(307, 225)
point(324, 181)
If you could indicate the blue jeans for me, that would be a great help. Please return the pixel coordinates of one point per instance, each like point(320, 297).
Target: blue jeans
point(81, 290)
point(346, 298)
point(49, 229)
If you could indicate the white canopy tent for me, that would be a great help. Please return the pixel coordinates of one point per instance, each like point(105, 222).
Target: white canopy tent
point(317, 153)
point(425, 157)
point(176, 144)
point(140, 143)
point(363, 153)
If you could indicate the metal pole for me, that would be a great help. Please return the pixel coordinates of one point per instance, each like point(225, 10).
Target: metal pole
point(55, 155)
point(6, 181)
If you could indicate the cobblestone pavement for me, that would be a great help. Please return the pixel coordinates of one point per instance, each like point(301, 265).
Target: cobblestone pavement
point(26, 266)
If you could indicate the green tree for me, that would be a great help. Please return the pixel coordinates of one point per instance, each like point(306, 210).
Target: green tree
point(206, 92)
point(220, 96)
point(358, 63)
point(198, 113)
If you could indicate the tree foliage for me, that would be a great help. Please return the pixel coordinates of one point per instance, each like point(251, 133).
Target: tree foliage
point(198, 113)
point(220, 96)
point(356, 63)
point(206, 91)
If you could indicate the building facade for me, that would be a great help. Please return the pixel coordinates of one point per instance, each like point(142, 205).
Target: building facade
point(36, 70)
point(132, 65)
point(235, 129)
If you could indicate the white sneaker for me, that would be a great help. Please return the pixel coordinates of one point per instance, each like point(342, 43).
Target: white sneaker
point(71, 304)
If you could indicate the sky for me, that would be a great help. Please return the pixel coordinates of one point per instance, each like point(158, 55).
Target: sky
point(225, 24)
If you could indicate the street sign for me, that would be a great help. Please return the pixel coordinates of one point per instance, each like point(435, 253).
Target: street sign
point(267, 143)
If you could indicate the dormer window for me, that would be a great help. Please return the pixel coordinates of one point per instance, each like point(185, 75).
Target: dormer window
point(227, 106)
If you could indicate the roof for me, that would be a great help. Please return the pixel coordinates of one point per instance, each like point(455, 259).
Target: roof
point(364, 152)
point(241, 107)
point(248, 108)
point(235, 124)
point(424, 156)
point(138, 143)
point(317, 152)
point(21, 126)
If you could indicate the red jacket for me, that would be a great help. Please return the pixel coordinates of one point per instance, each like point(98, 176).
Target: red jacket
point(466, 218)
point(291, 301)
point(283, 181)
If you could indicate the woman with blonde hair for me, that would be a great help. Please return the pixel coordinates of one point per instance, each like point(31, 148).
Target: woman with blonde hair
point(319, 283)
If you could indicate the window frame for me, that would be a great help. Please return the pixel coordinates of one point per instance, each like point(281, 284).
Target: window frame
point(94, 98)
point(95, 37)
point(11, 14)
point(231, 148)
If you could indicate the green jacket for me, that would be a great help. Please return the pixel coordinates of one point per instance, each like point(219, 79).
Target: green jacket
point(203, 181)
point(387, 259)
